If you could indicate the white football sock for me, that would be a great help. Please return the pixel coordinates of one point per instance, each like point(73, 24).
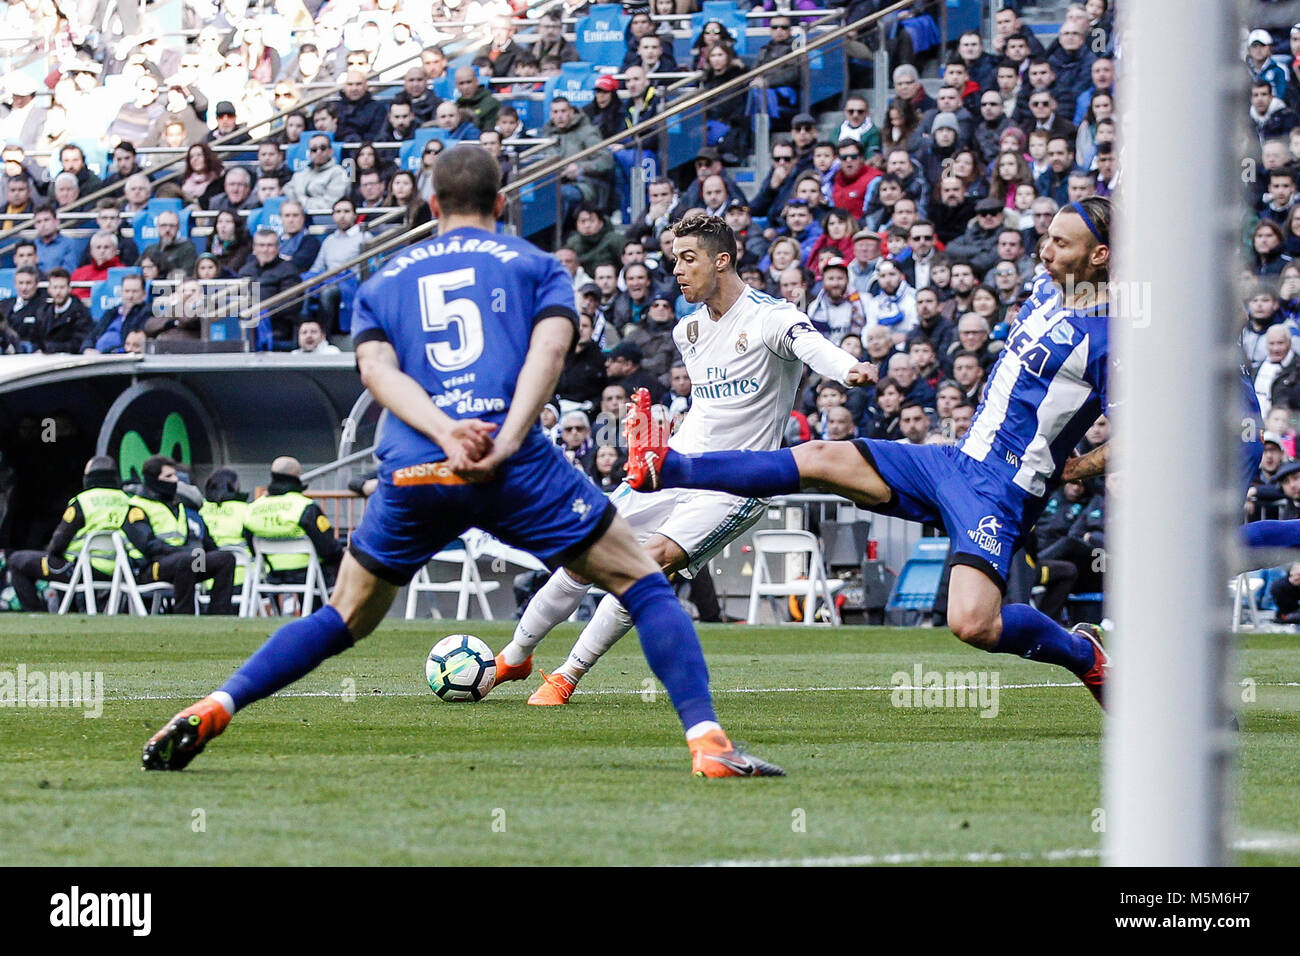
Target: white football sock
point(610, 622)
point(558, 598)
point(702, 728)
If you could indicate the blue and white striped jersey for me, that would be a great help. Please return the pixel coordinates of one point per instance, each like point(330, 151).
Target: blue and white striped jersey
point(1046, 389)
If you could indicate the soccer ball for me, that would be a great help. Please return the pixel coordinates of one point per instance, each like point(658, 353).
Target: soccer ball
point(461, 668)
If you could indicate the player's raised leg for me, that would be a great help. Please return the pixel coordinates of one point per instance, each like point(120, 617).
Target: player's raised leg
point(606, 627)
point(977, 616)
point(359, 602)
point(619, 565)
point(835, 466)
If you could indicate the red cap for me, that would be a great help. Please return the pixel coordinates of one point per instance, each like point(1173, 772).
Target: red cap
point(607, 82)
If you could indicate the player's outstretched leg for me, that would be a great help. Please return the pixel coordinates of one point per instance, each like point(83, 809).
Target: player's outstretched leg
point(977, 616)
point(1271, 534)
point(358, 604)
point(619, 565)
point(610, 622)
point(558, 598)
point(836, 466)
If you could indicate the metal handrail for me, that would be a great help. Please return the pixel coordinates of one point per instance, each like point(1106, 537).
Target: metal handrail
point(546, 169)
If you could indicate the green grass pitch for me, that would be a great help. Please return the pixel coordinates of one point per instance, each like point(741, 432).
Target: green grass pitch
point(390, 775)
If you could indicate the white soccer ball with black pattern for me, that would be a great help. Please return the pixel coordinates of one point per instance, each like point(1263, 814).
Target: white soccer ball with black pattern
point(461, 668)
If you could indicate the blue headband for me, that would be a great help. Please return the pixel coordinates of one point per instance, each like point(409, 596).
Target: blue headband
point(1087, 221)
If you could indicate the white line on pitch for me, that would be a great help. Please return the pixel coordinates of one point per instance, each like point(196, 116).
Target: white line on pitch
point(860, 688)
point(1277, 843)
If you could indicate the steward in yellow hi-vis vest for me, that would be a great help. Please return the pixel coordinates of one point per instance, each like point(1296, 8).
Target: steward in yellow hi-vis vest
point(284, 512)
point(169, 542)
point(101, 506)
point(223, 512)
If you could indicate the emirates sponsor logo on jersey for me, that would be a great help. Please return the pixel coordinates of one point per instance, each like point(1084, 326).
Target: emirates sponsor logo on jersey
point(985, 535)
point(727, 389)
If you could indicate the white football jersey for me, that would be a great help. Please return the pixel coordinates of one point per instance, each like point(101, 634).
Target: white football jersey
point(745, 368)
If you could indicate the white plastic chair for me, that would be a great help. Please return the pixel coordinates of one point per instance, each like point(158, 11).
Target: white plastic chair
point(463, 552)
point(1245, 609)
point(125, 585)
point(817, 586)
point(83, 579)
point(256, 587)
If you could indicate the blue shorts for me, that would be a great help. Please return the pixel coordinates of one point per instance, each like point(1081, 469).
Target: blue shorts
point(984, 514)
point(538, 502)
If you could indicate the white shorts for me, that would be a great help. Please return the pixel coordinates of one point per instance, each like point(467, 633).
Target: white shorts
point(701, 523)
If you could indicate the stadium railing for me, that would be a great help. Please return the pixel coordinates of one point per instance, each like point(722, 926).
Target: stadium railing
point(547, 172)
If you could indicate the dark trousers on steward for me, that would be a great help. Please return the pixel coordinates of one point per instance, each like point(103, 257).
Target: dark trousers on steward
point(28, 567)
point(179, 570)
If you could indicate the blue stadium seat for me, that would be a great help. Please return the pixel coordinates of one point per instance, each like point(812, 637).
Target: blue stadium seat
point(7, 283)
point(146, 233)
point(408, 157)
point(918, 582)
point(115, 276)
point(96, 161)
point(268, 214)
point(102, 298)
point(296, 158)
point(1085, 606)
point(601, 34)
point(729, 14)
point(576, 83)
point(445, 85)
point(530, 111)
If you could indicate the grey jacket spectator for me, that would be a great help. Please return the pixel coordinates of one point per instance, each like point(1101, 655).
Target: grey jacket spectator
point(318, 188)
point(977, 245)
point(575, 135)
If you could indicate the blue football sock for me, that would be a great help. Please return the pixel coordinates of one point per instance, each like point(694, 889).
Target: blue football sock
point(1032, 634)
point(289, 653)
point(671, 647)
point(749, 474)
point(1271, 534)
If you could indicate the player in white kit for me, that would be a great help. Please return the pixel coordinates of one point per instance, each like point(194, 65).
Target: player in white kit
point(745, 353)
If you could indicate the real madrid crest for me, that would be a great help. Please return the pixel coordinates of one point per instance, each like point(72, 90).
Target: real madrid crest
point(742, 343)
point(692, 330)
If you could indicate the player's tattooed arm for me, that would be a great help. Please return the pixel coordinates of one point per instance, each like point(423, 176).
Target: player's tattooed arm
point(407, 399)
point(1087, 465)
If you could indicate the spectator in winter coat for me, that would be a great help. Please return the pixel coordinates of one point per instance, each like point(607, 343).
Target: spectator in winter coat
point(583, 377)
point(361, 118)
point(978, 245)
point(1262, 312)
point(1261, 65)
point(322, 182)
point(1269, 113)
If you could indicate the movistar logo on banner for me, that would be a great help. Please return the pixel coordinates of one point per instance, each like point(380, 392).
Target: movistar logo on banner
point(174, 443)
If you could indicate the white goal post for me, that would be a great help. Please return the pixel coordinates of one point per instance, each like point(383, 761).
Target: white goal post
point(1171, 528)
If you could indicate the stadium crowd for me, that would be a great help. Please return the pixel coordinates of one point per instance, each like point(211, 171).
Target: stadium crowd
point(909, 238)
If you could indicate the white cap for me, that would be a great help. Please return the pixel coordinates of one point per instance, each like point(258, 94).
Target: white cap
point(20, 84)
point(1259, 36)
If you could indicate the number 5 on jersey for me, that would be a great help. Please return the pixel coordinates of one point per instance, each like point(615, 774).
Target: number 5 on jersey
point(454, 325)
